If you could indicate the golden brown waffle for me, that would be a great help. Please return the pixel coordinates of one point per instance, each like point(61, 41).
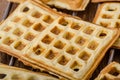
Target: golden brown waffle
point(13, 73)
point(103, 0)
point(58, 43)
point(108, 15)
point(111, 72)
point(76, 5)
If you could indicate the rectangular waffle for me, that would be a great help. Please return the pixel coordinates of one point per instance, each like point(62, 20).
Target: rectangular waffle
point(108, 15)
point(75, 5)
point(110, 72)
point(58, 43)
point(14, 73)
point(103, 0)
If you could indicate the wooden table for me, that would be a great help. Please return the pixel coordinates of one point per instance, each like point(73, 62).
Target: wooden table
point(86, 15)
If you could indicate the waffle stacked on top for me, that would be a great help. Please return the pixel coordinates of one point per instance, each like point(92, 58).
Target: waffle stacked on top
point(75, 5)
point(58, 43)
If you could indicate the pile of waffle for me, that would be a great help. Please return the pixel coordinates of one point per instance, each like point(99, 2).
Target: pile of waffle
point(60, 44)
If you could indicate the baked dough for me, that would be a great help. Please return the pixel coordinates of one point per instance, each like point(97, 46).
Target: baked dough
point(110, 72)
point(56, 42)
point(108, 15)
point(75, 5)
point(14, 73)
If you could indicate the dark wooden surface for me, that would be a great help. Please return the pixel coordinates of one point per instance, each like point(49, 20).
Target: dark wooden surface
point(86, 15)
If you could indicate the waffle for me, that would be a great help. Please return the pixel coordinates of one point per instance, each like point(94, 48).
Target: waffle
point(61, 44)
point(13, 73)
point(111, 72)
point(108, 15)
point(103, 0)
point(75, 5)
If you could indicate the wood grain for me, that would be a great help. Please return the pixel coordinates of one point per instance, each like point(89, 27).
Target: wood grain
point(3, 6)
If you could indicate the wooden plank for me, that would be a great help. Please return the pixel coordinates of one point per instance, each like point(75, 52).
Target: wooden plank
point(3, 6)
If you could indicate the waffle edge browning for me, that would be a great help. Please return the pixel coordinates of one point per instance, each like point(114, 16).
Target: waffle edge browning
point(61, 44)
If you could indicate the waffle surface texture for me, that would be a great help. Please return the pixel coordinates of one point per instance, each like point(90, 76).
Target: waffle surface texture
point(42, 37)
point(103, 0)
point(108, 15)
point(75, 5)
point(111, 72)
point(13, 73)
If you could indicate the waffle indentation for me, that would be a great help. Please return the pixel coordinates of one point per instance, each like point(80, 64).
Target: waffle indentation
point(76, 66)
point(114, 72)
point(104, 24)
point(102, 34)
point(56, 30)
point(47, 39)
point(48, 19)
point(84, 56)
point(16, 19)
point(38, 27)
point(19, 45)
point(27, 23)
point(17, 32)
point(88, 30)
point(36, 14)
point(25, 9)
point(8, 41)
point(38, 50)
point(68, 35)
point(75, 26)
point(93, 45)
point(80, 40)
point(119, 17)
point(106, 16)
point(51, 54)
point(63, 22)
point(117, 24)
point(0, 37)
point(111, 8)
point(71, 50)
point(63, 60)
point(2, 76)
point(59, 45)
point(7, 28)
point(29, 36)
